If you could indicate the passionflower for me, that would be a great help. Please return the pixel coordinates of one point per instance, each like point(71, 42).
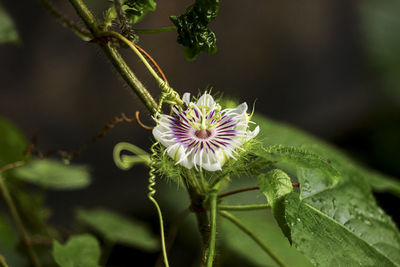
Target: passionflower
point(202, 135)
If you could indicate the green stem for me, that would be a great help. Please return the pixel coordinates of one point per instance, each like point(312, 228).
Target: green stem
point(137, 52)
point(204, 184)
point(203, 224)
point(244, 207)
point(253, 236)
point(213, 233)
point(3, 262)
point(159, 30)
point(115, 57)
point(18, 221)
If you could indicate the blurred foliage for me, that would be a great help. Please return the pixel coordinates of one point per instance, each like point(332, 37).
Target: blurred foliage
point(118, 229)
point(79, 251)
point(53, 174)
point(8, 32)
point(380, 24)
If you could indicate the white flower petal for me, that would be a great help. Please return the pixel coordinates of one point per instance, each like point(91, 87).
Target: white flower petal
point(206, 100)
point(186, 98)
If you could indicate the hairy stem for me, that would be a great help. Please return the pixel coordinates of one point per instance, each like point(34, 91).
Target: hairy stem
point(213, 234)
point(196, 206)
point(18, 221)
point(115, 57)
point(252, 235)
point(244, 207)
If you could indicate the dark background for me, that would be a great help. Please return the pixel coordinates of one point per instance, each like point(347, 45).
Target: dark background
point(327, 67)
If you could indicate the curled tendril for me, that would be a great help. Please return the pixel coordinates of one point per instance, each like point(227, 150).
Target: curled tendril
point(168, 95)
point(125, 162)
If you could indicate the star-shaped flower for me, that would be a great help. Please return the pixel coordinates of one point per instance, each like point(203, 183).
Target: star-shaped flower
point(203, 135)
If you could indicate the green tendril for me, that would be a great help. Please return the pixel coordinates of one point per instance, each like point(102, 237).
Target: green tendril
point(125, 162)
point(150, 195)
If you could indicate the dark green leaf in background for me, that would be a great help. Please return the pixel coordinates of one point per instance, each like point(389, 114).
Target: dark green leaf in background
point(12, 141)
point(9, 241)
point(193, 31)
point(8, 33)
point(54, 174)
point(79, 251)
point(119, 229)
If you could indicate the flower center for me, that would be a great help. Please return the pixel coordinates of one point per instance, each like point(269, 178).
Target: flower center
point(203, 134)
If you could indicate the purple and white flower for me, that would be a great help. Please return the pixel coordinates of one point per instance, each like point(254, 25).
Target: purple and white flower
point(203, 135)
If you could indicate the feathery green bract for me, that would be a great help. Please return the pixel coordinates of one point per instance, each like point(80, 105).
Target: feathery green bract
point(193, 31)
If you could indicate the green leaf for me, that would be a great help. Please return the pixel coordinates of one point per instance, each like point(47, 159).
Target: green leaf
point(275, 184)
point(342, 229)
point(54, 174)
point(314, 173)
point(334, 220)
point(119, 229)
point(135, 10)
point(8, 33)
point(79, 251)
point(193, 31)
point(273, 133)
point(12, 141)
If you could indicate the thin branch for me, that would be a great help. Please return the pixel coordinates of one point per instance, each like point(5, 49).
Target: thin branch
point(81, 32)
point(238, 191)
point(18, 221)
point(253, 236)
point(12, 165)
